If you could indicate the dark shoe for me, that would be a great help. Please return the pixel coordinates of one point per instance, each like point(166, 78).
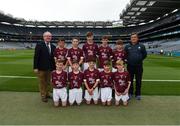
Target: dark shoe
point(49, 97)
point(44, 99)
point(138, 97)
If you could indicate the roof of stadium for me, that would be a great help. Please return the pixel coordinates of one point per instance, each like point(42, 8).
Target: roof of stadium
point(144, 11)
point(136, 12)
point(9, 19)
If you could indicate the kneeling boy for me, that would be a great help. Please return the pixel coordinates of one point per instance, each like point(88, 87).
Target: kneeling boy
point(91, 80)
point(59, 83)
point(75, 82)
point(106, 84)
point(121, 83)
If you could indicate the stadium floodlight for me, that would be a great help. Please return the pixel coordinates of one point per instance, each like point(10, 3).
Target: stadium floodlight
point(42, 26)
point(143, 9)
point(165, 15)
point(151, 3)
point(158, 18)
point(141, 3)
point(61, 26)
point(18, 25)
point(138, 13)
point(151, 21)
point(29, 26)
point(135, 8)
point(126, 17)
point(6, 23)
point(174, 10)
point(130, 13)
point(52, 26)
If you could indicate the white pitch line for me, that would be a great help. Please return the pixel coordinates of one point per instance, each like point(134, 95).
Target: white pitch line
point(31, 77)
point(20, 77)
point(147, 80)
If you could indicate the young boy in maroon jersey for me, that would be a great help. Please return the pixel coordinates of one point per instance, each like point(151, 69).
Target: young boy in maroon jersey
point(61, 52)
point(90, 49)
point(91, 80)
point(75, 79)
point(59, 83)
point(104, 52)
point(121, 83)
point(118, 54)
point(75, 53)
point(106, 84)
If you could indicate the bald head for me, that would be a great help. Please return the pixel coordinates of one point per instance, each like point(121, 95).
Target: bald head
point(47, 36)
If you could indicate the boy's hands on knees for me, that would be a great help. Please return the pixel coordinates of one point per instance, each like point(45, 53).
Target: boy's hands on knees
point(118, 94)
point(90, 91)
point(126, 91)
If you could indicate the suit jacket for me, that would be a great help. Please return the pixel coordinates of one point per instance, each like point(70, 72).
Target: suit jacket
point(42, 59)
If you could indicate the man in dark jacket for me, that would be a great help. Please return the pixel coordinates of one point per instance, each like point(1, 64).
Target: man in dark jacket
point(44, 63)
point(136, 53)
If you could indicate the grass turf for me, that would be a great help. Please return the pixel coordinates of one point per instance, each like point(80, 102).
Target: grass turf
point(26, 108)
point(19, 63)
point(23, 105)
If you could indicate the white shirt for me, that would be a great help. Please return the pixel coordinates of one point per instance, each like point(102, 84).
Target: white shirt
point(48, 44)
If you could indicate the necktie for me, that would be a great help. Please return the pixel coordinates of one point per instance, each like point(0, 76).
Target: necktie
point(49, 50)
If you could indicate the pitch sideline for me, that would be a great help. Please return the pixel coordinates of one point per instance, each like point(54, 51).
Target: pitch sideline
point(31, 77)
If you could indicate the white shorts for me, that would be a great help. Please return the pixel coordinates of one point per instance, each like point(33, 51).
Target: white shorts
point(86, 66)
point(114, 69)
point(60, 94)
point(124, 98)
point(95, 95)
point(106, 94)
point(75, 95)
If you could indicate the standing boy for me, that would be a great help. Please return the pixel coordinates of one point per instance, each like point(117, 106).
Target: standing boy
point(75, 53)
point(118, 54)
point(61, 52)
point(104, 52)
point(90, 50)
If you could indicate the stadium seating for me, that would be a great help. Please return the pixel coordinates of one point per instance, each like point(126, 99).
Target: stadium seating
point(166, 28)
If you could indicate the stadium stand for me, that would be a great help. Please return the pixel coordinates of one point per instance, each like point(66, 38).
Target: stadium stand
point(157, 22)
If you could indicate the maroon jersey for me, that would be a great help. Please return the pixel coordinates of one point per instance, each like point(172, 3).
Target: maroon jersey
point(90, 51)
point(104, 55)
point(106, 79)
point(75, 54)
point(91, 77)
point(59, 80)
point(121, 81)
point(118, 55)
point(75, 80)
point(61, 54)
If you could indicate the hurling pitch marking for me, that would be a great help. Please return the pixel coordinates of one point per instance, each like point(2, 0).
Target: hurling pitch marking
point(31, 77)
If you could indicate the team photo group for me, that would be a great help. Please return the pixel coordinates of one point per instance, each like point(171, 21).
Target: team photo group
point(94, 73)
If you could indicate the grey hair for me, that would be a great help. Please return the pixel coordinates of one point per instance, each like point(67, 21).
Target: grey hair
point(47, 32)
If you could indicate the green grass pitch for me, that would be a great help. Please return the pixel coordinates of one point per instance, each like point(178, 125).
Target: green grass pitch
point(20, 102)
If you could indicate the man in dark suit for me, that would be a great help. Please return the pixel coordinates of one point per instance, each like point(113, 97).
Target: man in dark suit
point(43, 64)
point(136, 53)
